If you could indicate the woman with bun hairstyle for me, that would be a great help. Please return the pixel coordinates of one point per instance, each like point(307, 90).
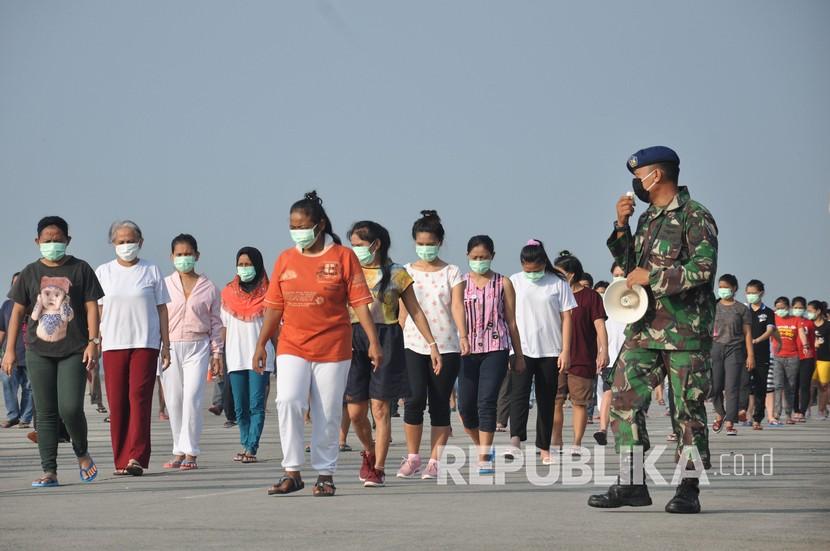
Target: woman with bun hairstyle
point(391, 287)
point(312, 287)
point(439, 288)
point(544, 302)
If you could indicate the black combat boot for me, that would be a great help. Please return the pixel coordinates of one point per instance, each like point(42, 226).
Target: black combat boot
point(619, 495)
point(685, 500)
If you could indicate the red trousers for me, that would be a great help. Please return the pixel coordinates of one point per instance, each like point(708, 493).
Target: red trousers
point(130, 377)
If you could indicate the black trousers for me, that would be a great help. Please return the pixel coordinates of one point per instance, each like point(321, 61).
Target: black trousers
point(425, 384)
point(546, 373)
point(758, 388)
point(805, 378)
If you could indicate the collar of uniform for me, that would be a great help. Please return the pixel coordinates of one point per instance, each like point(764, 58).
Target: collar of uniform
point(679, 200)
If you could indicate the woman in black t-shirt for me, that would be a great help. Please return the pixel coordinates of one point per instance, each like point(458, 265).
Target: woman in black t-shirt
point(58, 296)
point(822, 373)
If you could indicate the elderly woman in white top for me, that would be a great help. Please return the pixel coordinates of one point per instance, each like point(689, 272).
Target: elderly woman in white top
point(134, 335)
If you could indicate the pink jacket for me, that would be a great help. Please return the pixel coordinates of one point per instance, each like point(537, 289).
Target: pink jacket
point(196, 317)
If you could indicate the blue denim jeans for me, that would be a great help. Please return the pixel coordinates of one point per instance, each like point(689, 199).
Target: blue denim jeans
point(248, 389)
point(18, 380)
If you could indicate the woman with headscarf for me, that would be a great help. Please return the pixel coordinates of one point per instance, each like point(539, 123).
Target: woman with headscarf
point(243, 315)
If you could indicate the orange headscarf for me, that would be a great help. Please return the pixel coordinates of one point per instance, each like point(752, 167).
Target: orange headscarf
point(242, 305)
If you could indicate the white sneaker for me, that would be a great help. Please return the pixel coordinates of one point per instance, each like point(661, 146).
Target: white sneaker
point(512, 452)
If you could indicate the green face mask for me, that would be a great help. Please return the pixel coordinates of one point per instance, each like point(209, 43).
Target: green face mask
point(811, 316)
point(798, 312)
point(246, 273)
point(304, 238)
point(753, 298)
point(184, 264)
point(480, 266)
point(427, 253)
point(53, 251)
point(782, 313)
point(534, 276)
point(364, 254)
point(725, 294)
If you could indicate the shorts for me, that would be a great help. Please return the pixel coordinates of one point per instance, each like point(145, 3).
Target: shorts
point(389, 381)
point(822, 372)
point(607, 376)
point(579, 389)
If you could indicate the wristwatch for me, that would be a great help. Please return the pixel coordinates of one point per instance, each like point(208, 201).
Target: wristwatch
point(96, 341)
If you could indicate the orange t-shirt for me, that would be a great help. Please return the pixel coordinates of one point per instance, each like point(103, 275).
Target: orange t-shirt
point(314, 293)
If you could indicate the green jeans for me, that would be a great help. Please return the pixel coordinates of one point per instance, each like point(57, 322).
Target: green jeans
point(58, 385)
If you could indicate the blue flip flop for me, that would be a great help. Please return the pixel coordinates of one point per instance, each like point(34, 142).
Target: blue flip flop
point(90, 473)
point(45, 483)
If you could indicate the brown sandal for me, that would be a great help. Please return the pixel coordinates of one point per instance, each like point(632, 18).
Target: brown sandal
point(134, 468)
point(248, 458)
point(286, 485)
point(324, 488)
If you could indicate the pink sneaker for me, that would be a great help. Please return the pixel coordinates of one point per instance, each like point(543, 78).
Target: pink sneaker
point(410, 467)
point(431, 471)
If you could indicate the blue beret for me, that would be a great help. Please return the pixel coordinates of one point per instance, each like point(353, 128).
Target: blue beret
point(652, 156)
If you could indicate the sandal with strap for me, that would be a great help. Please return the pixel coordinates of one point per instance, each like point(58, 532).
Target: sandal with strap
point(295, 484)
point(188, 465)
point(757, 426)
point(240, 456)
point(134, 468)
point(88, 474)
point(324, 488)
point(46, 481)
point(249, 458)
point(717, 425)
point(174, 463)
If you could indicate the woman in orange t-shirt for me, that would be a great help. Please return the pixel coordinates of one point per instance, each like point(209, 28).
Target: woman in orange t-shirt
point(312, 286)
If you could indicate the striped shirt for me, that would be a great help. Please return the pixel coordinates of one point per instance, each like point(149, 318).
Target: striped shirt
point(484, 308)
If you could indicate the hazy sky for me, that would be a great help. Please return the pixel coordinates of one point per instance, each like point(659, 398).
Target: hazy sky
point(512, 118)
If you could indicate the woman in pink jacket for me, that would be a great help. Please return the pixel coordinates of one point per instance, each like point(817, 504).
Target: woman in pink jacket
point(196, 343)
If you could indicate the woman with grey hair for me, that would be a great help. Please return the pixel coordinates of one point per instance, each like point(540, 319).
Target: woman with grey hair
point(134, 335)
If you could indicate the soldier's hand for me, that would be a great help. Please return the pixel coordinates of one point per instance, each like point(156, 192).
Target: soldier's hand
point(639, 276)
point(625, 208)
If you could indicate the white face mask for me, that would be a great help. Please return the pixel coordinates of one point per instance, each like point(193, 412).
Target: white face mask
point(127, 251)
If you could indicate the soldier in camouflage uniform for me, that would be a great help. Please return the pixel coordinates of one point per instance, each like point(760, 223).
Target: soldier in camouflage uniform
point(673, 254)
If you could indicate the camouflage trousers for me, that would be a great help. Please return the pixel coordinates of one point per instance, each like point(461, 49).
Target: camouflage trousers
point(637, 371)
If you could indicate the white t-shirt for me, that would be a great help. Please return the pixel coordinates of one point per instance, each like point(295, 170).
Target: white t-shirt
point(616, 338)
point(240, 343)
point(131, 297)
point(434, 293)
point(539, 307)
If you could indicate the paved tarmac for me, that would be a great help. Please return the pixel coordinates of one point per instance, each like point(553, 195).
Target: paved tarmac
point(224, 505)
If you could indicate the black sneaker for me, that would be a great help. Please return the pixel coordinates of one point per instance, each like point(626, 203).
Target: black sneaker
point(601, 437)
point(685, 500)
point(618, 495)
point(229, 424)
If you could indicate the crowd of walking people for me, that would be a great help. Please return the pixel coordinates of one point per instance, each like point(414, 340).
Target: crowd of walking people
point(349, 332)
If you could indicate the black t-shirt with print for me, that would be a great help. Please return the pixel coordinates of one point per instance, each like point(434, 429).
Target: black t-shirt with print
point(54, 299)
point(762, 318)
point(823, 342)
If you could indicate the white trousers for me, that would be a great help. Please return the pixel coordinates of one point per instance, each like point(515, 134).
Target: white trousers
point(302, 384)
point(184, 385)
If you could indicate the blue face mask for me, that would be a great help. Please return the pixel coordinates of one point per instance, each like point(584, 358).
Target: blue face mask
point(725, 294)
point(480, 266)
point(427, 253)
point(782, 313)
point(53, 251)
point(534, 276)
point(364, 254)
point(304, 238)
point(184, 264)
point(246, 273)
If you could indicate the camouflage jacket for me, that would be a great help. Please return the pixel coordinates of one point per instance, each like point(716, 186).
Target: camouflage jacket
point(682, 261)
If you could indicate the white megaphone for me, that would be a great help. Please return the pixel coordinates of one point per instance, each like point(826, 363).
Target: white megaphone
point(625, 305)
